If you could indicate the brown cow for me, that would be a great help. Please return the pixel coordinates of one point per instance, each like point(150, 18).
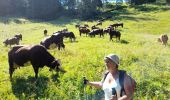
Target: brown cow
point(36, 54)
point(163, 39)
point(19, 36)
point(45, 32)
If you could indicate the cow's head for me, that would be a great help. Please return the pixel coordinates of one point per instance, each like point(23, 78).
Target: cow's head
point(56, 65)
point(6, 42)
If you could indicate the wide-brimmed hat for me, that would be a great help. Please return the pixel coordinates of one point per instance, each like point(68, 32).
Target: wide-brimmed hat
point(114, 58)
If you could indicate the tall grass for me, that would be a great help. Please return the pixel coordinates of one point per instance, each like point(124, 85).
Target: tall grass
point(141, 56)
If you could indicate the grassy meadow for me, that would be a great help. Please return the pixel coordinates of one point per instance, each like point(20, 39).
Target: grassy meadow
point(146, 60)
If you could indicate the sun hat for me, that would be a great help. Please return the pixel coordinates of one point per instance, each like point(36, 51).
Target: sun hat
point(113, 57)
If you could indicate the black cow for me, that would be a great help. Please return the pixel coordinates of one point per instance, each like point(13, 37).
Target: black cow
point(69, 35)
point(94, 27)
point(77, 25)
point(96, 32)
point(86, 25)
point(115, 33)
point(11, 41)
point(99, 23)
point(106, 30)
point(36, 54)
point(56, 38)
point(84, 30)
point(117, 25)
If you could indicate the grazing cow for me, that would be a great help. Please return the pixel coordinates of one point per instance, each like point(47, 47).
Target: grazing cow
point(56, 38)
point(86, 25)
point(45, 32)
point(84, 30)
point(96, 32)
point(64, 30)
point(69, 35)
point(116, 25)
point(77, 26)
point(115, 33)
point(106, 30)
point(19, 36)
point(163, 39)
point(11, 41)
point(94, 27)
point(99, 23)
point(36, 54)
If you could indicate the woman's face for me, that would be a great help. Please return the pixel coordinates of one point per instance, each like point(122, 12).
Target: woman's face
point(110, 64)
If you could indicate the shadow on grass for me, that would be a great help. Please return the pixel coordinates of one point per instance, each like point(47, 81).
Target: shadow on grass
point(151, 8)
point(124, 42)
point(29, 88)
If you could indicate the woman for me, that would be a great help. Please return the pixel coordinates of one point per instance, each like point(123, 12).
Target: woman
point(111, 81)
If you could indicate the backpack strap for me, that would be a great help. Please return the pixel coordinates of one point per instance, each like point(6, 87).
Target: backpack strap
point(121, 81)
point(105, 74)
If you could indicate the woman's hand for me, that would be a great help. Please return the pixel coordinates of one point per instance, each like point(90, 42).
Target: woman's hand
point(114, 97)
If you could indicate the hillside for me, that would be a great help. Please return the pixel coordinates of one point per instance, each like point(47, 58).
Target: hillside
point(141, 56)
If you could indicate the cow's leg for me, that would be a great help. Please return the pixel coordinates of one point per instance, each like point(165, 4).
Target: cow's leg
point(11, 66)
point(11, 70)
point(36, 71)
point(110, 38)
point(70, 39)
point(59, 45)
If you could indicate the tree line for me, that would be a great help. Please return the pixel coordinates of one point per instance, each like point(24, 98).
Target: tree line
point(50, 9)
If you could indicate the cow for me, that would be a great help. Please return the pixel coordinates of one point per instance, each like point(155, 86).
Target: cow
point(106, 30)
point(94, 27)
point(77, 25)
point(115, 33)
point(163, 39)
point(68, 35)
point(11, 41)
point(86, 25)
point(65, 30)
point(99, 23)
point(45, 32)
point(19, 36)
point(56, 38)
point(36, 54)
point(117, 25)
point(96, 32)
point(84, 30)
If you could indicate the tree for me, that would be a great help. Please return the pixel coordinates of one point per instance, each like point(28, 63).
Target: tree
point(19, 6)
point(97, 3)
point(168, 1)
point(5, 7)
point(70, 4)
point(88, 8)
point(44, 9)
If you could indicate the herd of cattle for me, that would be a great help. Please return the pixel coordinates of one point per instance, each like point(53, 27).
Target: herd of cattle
point(40, 57)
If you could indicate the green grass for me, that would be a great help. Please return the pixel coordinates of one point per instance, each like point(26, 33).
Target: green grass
point(141, 56)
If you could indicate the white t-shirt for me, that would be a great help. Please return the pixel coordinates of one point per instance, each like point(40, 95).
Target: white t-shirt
point(107, 88)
